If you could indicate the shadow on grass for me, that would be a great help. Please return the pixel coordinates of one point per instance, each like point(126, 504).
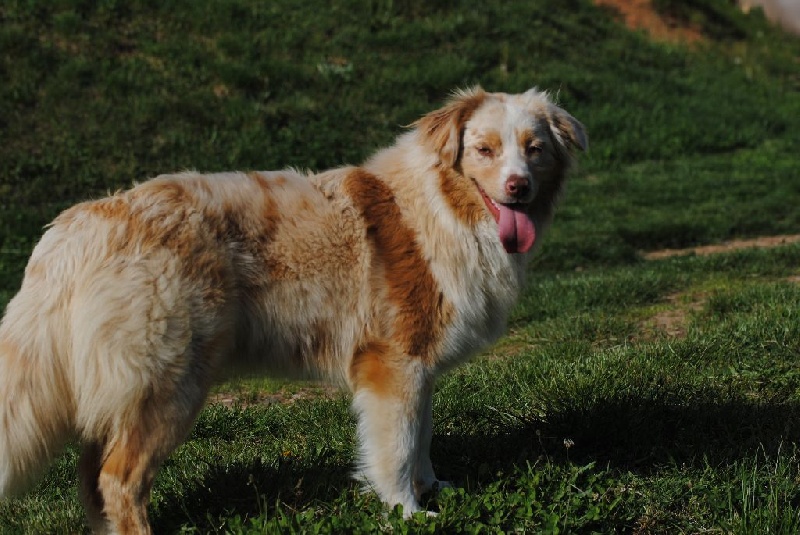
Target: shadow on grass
point(248, 489)
point(632, 434)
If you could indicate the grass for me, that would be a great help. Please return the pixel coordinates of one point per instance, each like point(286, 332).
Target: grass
point(591, 415)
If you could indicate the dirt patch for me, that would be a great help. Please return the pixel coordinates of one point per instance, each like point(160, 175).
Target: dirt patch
point(733, 245)
point(285, 396)
point(672, 322)
point(640, 15)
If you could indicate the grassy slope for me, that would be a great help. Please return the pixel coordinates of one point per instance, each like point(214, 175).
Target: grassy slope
point(687, 147)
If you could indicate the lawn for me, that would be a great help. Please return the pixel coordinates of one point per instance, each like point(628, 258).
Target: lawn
point(629, 396)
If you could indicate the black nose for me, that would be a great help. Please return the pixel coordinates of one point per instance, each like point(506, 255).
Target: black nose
point(517, 186)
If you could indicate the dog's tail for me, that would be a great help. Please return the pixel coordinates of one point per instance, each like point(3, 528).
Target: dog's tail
point(35, 404)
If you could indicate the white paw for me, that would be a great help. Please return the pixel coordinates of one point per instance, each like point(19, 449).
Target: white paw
point(410, 509)
point(427, 514)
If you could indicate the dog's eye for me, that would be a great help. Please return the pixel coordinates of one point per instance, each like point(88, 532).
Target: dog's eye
point(533, 150)
point(485, 151)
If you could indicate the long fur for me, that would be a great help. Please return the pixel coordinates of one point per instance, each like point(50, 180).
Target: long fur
point(380, 277)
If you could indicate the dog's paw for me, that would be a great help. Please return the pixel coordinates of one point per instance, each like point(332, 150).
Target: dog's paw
point(421, 514)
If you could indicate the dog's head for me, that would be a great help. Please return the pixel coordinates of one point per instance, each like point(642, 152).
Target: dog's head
point(514, 149)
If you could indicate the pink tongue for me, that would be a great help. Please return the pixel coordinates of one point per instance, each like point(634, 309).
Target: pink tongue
point(516, 228)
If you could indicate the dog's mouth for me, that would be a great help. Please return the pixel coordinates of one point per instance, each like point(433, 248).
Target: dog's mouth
point(515, 226)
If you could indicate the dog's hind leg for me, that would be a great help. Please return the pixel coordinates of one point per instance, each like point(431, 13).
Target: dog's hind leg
point(126, 477)
point(389, 399)
point(116, 487)
point(117, 472)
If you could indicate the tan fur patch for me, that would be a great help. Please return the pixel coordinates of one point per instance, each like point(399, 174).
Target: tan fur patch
point(264, 183)
point(123, 459)
point(371, 370)
point(410, 283)
point(442, 128)
point(525, 138)
point(188, 236)
point(151, 214)
point(493, 141)
point(124, 497)
point(110, 208)
point(250, 229)
point(462, 196)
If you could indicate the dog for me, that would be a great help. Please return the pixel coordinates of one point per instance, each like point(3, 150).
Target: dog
point(381, 277)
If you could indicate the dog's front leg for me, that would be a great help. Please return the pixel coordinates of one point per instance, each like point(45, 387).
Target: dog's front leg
point(424, 477)
point(391, 394)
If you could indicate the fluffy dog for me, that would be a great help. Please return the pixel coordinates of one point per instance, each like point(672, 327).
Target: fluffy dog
point(381, 277)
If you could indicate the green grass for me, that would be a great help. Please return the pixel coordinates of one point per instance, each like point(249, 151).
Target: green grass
point(589, 416)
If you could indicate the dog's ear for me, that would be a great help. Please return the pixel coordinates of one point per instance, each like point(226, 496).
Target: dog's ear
point(569, 132)
point(442, 129)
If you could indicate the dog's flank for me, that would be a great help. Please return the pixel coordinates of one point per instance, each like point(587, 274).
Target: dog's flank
point(379, 277)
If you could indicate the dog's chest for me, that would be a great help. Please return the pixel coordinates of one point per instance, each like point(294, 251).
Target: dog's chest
point(482, 285)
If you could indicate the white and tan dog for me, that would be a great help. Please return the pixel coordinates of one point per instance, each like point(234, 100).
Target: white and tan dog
point(381, 276)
